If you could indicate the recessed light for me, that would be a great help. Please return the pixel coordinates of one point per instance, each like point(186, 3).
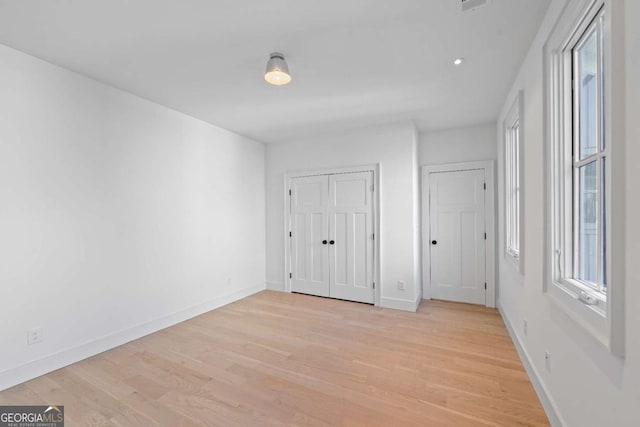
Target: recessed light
point(458, 61)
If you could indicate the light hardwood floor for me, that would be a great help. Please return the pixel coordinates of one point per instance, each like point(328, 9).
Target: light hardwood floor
point(277, 359)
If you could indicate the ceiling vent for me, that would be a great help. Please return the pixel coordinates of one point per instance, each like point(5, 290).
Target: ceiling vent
point(469, 5)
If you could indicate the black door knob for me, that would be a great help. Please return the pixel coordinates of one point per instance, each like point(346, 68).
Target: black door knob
point(324, 242)
point(434, 242)
point(332, 242)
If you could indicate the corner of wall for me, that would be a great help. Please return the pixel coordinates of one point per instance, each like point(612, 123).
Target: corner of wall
point(417, 223)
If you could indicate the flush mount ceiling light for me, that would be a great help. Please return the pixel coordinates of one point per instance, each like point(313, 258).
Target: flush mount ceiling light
point(458, 61)
point(277, 72)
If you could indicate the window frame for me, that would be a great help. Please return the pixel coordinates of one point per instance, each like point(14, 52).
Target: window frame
point(565, 274)
point(513, 126)
point(600, 315)
point(593, 290)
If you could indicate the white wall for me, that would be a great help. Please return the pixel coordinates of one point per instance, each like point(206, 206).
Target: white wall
point(394, 148)
point(587, 386)
point(468, 144)
point(117, 216)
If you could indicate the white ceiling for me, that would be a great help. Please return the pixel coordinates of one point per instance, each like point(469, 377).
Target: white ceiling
point(354, 62)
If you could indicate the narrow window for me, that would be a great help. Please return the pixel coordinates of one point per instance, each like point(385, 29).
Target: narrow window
point(589, 158)
point(583, 125)
point(513, 136)
point(580, 179)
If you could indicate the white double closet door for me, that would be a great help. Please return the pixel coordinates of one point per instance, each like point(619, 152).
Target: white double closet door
point(332, 240)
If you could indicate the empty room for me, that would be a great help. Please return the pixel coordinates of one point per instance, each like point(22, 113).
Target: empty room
point(319, 213)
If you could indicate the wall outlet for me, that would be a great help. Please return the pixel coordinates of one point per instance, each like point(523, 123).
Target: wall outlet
point(547, 360)
point(401, 285)
point(34, 335)
point(525, 328)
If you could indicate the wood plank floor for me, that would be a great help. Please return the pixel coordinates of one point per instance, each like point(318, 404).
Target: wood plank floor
point(277, 359)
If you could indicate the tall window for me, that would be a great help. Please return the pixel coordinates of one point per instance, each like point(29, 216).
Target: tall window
point(512, 149)
point(589, 158)
point(584, 128)
point(580, 176)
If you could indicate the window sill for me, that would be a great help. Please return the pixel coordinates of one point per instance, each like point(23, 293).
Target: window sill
point(514, 260)
point(589, 318)
point(584, 294)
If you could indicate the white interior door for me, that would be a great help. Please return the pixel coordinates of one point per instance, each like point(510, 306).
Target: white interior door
point(309, 228)
point(351, 236)
point(457, 236)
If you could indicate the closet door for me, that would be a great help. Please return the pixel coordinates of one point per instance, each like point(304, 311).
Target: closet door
point(310, 228)
point(351, 236)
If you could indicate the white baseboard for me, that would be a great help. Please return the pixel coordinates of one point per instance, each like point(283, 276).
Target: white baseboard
point(550, 407)
point(36, 368)
point(399, 304)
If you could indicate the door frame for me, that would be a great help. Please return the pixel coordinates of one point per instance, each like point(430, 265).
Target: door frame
point(288, 176)
point(490, 226)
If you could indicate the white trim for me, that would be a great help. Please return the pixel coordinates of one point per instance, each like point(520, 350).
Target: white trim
point(577, 15)
point(288, 176)
point(490, 259)
point(549, 405)
point(400, 304)
point(36, 368)
point(615, 102)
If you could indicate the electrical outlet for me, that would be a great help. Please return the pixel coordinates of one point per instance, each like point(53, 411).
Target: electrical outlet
point(34, 335)
point(525, 328)
point(547, 360)
point(401, 285)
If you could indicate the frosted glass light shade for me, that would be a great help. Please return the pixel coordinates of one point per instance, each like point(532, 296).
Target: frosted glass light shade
point(277, 72)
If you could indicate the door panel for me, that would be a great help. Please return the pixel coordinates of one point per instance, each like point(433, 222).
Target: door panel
point(319, 263)
point(444, 270)
point(339, 252)
point(360, 261)
point(309, 215)
point(470, 232)
point(351, 227)
point(457, 225)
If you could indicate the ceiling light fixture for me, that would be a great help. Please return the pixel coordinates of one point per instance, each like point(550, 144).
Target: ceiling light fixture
point(458, 61)
point(277, 72)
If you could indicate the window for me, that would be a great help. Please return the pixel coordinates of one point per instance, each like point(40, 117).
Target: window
point(582, 221)
point(580, 167)
point(589, 159)
point(512, 148)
